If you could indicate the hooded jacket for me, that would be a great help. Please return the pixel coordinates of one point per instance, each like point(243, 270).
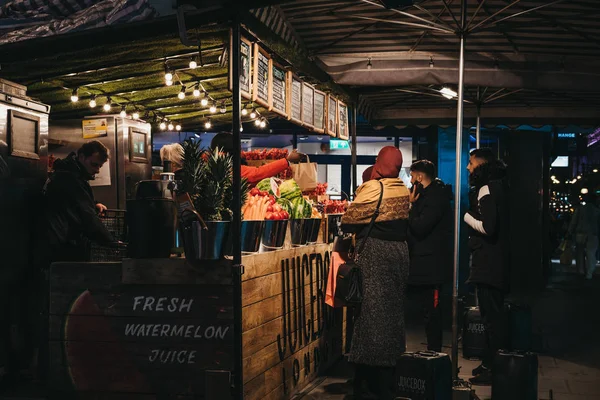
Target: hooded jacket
point(430, 236)
point(488, 222)
point(71, 218)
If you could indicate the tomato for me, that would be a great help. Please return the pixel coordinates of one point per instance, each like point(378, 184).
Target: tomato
point(254, 192)
point(277, 208)
point(270, 209)
point(269, 216)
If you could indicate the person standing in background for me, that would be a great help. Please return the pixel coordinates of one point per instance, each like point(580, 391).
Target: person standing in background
point(488, 221)
point(584, 229)
point(430, 245)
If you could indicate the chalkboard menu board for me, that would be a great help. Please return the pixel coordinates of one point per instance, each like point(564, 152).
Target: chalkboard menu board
point(24, 134)
point(246, 68)
point(296, 101)
point(262, 73)
point(308, 99)
point(343, 121)
point(331, 127)
point(319, 114)
point(278, 90)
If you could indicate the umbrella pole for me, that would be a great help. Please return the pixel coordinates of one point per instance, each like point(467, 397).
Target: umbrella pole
point(457, 194)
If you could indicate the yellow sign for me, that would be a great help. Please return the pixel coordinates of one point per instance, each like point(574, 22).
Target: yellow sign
point(93, 128)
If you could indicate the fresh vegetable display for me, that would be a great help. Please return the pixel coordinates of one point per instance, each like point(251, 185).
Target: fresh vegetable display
point(335, 206)
point(289, 196)
point(262, 205)
point(290, 190)
point(320, 190)
point(264, 154)
point(270, 185)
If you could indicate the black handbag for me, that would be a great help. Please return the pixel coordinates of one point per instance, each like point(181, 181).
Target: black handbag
point(348, 289)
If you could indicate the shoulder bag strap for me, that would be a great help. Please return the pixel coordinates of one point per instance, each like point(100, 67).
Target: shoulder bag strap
point(371, 224)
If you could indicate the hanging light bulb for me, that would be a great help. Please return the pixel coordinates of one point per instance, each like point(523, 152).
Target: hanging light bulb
point(369, 65)
point(204, 101)
point(244, 111)
point(107, 105)
point(136, 115)
point(168, 74)
point(170, 126)
point(74, 96)
point(181, 94)
point(177, 127)
point(163, 125)
point(263, 123)
point(223, 108)
point(253, 113)
point(213, 107)
point(241, 129)
point(93, 101)
point(169, 83)
point(196, 90)
point(207, 124)
point(123, 112)
point(193, 63)
point(257, 122)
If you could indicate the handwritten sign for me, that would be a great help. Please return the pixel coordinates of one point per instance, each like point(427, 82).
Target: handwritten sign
point(308, 98)
point(343, 121)
point(246, 68)
point(296, 101)
point(278, 92)
point(331, 127)
point(319, 111)
point(262, 72)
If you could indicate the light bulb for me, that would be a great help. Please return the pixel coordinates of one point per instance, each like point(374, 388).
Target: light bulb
point(93, 101)
point(213, 108)
point(263, 123)
point(253, 114)
point(448, 93)
point(244, 111)
point(193, 63)
point(168, 73)
point(169, 83)
point(257, 122)
point(123, 112)
point(204, 102)
point(177, 127)
point(163, 126)
point(181, 94)
point(107, 105)
point(207, 124)
point(223, 108)
point(136, 115)
point(74, 96)
point(171, 127)
point(196, 91)
point(241, 129)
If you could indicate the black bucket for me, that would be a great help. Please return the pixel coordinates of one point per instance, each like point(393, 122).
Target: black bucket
point(151, 224)
point(298, 233)
point(251, 235)
point(333, 227)
point(312, 227)
point(273, 236)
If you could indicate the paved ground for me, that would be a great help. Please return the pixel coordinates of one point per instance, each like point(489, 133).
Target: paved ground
point(566, 330)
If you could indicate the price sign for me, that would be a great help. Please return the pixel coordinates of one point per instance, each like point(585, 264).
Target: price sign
point(343, 121)
point(331, 128)
point(278, 91)
point(246, 68)
point(296, 100)
point(308, 98)
point(262, 77)
point(319, 111)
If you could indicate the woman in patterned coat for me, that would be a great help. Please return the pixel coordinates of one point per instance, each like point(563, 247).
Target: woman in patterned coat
point(379, 336)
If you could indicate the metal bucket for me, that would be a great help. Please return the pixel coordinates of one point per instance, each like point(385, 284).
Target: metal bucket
point(204, 241)
point(274, 234)
point(251, 234)
point(299, 237)
point(334, 222)
point(311, 229)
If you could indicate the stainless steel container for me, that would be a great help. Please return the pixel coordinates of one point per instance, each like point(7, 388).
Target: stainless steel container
point(312, 227)
point(274, 233)
point(299, 237)
point(203, 240)
point(251, 235)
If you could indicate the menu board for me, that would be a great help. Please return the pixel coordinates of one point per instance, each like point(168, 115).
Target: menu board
point(278, 90)
point(319, 111)
point(296, 101)
point(331, 127)
point(24, 133)
point(308, 99)
point(246, 68)
point(343, 121)
point(262, 73)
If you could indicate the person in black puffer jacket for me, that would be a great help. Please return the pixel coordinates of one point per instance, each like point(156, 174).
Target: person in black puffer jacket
point(71, 213)
point(488, 222)
point(430, 245)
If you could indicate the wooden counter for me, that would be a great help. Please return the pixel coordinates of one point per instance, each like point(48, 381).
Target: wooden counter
point(163, 329)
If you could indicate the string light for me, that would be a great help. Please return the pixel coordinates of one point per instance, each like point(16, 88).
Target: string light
point(93, 101)
point(207, 124)
point(169, 83)
point(168, 74)
point(369, 65)
point(107, 105)
point(163, 125)
point(430, 62)
point(257, 122)
point(74, 96)
point(263, 123)
point(123, 112)
point(253, 113)
point(223, 108)
point(204, 101)
point(193, 63)
point(136, 115)
point(213, 107)
point(177, 127)
point(181, 94)
point(197, 90)
point(170, 126)
point(244, 111)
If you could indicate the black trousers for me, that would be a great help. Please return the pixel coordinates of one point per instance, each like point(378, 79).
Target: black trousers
point(491, 306)
point(428, 296)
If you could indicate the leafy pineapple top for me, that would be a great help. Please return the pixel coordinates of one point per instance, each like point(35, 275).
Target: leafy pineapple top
point(208, 179)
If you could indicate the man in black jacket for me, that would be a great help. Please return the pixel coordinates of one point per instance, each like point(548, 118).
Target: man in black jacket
point(488, 222)
point(71, 211)
point(430, 244)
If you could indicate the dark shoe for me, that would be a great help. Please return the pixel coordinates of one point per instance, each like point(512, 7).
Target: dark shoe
point(478, 370)
point(483, 379)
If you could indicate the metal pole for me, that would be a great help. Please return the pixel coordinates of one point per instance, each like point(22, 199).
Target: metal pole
point(238, 269)
point(457, 189)
point(478, 123)
point(353, 149)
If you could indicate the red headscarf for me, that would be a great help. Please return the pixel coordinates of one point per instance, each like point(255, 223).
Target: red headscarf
point(388, 164)
point(367, 174)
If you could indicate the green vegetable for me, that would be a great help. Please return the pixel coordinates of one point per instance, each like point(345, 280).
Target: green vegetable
point(290, 190)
